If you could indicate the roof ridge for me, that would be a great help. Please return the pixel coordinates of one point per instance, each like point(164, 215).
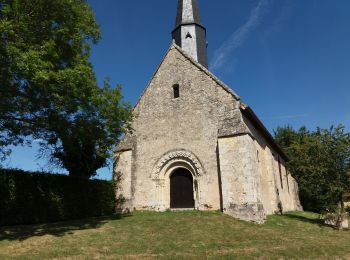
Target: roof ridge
point(152, 77)
point(206, 71)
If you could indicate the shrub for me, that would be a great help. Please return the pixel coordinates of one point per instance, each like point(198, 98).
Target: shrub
point(27, 198)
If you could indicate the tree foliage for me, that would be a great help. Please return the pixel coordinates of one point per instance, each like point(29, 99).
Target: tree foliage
point(320, 162)
point(48, 88)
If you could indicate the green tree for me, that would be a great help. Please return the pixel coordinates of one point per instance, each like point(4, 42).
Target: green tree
point(48, 88)
point(320, 162)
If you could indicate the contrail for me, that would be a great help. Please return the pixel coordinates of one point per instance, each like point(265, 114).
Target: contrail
point(239, 36)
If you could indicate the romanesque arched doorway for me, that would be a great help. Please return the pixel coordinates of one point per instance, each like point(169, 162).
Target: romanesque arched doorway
point(181, 189)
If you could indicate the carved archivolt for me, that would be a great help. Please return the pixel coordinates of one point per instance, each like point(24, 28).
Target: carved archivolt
point(174, 157)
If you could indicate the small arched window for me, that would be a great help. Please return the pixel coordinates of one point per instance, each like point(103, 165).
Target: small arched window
point(188, 35)
point(176, 90)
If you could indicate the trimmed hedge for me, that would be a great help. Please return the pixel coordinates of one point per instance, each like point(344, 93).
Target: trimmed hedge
point(28, 198)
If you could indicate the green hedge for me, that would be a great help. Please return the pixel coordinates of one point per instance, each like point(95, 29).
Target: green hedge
point(27, 198)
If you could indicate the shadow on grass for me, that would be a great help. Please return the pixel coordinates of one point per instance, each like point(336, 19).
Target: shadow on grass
point(58, 229)
point(311, 220)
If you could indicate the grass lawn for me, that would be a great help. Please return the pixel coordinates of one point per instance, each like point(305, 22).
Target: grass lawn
point(177, 235)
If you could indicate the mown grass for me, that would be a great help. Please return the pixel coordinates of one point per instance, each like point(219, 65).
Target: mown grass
point(184, 235)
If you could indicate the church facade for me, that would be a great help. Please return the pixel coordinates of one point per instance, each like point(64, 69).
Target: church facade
point(195, 144)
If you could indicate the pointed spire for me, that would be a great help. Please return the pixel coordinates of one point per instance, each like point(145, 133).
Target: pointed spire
point(189, 33)
point(187, 12)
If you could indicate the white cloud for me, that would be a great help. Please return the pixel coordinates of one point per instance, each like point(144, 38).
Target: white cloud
point(239, 36)
point(285, 14)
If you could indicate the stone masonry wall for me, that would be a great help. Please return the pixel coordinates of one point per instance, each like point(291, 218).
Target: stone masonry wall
point(277, 190)
point(123, 176)
point(240, 178)
point(190, 122)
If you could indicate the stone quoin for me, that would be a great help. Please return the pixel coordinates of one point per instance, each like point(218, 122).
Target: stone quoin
point(188, 124)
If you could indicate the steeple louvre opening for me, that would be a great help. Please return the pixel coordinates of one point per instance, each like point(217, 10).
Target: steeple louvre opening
point(189, 33)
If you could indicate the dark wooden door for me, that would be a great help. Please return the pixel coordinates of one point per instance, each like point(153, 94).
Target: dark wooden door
point(181, 189)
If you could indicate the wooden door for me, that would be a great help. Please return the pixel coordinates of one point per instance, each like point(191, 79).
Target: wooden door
point(181, 189)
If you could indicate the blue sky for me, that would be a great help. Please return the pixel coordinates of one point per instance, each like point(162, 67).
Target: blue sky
point(288, 59)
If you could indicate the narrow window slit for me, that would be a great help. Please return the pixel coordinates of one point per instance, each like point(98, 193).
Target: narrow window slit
point(287, 173)
point(176, 89)
point(280, 171)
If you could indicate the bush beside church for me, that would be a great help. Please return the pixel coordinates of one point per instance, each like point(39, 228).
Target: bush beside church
point(27, 198)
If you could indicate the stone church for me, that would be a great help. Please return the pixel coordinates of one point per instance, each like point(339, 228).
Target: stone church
point(195, 144)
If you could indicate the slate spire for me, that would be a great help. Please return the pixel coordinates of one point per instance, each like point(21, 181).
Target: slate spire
point(189, 33)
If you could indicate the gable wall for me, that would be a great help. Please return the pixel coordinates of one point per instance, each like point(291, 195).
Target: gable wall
point(191, 122)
